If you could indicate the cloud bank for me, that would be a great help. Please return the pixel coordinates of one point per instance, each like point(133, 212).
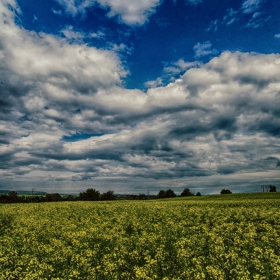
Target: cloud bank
point(65, 116)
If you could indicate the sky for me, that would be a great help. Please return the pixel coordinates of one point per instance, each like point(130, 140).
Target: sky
point(141, 95)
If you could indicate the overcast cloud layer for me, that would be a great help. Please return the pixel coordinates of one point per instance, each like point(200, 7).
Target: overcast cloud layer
point(67, 121)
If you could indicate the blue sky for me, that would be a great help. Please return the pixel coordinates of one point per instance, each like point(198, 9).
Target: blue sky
point(139, 95)
point(168, 31)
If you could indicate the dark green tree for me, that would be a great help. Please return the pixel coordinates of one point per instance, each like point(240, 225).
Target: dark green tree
point(198, 194)
point(161, 194)
point(109, 195)
point(186, 192)
point(50, 197)
point(90, 194)
point(142, 196)
point(170, 193)
point(69, 197)
point(224, 191)
point(272, 189)
point(12, 196)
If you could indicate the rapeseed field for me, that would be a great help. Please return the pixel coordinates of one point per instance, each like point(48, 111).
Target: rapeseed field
point(208, 237)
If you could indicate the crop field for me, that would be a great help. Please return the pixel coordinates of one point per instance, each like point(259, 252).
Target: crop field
point(208, 237)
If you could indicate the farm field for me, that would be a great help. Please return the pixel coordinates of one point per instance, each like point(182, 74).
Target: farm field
point(207, 237)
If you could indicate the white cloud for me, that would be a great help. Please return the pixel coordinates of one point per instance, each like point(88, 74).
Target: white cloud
point(172, 70)
point(131, 12)
point(35, 56)
point(204, 49)
point(134, 12)
point(184, 65)
point(257, 20)
point(57, 12)
point(193, 2)
point(77, 36)
point(250, 6)
point(121, 48)
point(232, 16)
point(13, 7)
point(154, 83)
point(98, 34)
point(214, 24)
point(218, 118)
point(53, 75)
point(75, 7)
point(73, 35)
point(229, 18)
point(34, 19)
point(179, 66)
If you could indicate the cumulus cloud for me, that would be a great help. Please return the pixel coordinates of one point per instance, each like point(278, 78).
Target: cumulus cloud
point(39, 91)
point(216, 119)
point(135, 12)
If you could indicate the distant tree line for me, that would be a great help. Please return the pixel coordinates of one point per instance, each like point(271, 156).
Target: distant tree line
point(13, 197)
point(95, 195)
point(170, 193)
point(89, 194)
point(162, 194)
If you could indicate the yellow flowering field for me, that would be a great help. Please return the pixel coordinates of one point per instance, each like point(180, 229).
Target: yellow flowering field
point(208, 237)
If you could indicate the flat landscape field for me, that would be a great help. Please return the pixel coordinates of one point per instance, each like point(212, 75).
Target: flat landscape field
point(207, 237)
